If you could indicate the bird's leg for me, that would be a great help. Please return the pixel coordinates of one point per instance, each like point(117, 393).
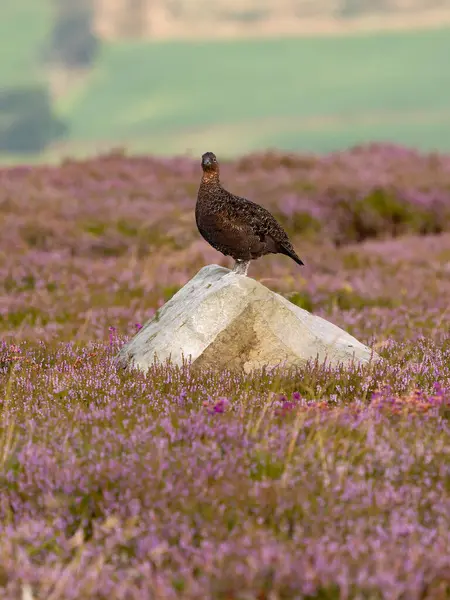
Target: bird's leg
point(241, 267)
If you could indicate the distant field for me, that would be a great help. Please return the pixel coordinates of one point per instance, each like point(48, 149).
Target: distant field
point(315, 93)
point(23, 27)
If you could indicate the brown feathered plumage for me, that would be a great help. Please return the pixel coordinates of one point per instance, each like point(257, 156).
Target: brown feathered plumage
point(236, 226)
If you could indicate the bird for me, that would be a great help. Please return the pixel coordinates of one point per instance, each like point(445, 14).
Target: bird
point(235, 226)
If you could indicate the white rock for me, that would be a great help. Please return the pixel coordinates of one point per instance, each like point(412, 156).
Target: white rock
point(228, 321)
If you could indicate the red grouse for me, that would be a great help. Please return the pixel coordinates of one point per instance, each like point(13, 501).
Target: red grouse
point(234, 225)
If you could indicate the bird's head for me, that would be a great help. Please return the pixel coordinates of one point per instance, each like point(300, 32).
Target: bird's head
point(209, 163)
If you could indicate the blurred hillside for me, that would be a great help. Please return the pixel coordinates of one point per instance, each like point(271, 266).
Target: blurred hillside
point(116, 19)
point(89, 76)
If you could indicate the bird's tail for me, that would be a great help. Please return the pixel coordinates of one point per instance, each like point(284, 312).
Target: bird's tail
point(291, 253)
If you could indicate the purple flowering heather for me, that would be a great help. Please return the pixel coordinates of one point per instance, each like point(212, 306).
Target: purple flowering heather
point(313, 483)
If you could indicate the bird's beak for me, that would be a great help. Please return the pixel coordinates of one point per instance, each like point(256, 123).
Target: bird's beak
point(206, 161)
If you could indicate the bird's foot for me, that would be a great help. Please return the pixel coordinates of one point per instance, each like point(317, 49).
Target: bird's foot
point(241, 267)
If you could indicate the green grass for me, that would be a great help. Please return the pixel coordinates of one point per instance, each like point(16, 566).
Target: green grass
point(315, 93)
point(23, 27)
point(318, 93)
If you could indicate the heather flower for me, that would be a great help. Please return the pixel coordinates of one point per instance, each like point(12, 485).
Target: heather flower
point(315, 482)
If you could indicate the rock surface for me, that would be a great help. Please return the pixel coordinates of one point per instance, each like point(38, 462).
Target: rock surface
point(227, 321)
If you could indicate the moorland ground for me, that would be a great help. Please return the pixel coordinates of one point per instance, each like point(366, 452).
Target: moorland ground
point(314, 483)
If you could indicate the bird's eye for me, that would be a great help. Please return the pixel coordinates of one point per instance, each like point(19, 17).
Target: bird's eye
point(214, 159)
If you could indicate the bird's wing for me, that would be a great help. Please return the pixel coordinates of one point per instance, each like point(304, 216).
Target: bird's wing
point(266, 228)
point(261, 221)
